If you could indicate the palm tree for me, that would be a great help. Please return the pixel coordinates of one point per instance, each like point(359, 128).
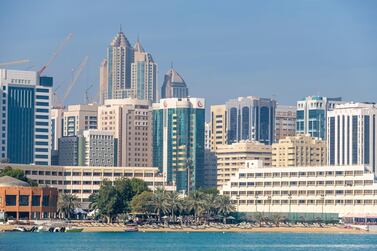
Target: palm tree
point(276, 218)
point(173, 202)
point(224, 206)
point(160, 203)
point(196, 202)
point(259, 218)
point(67, 203)
point(210, 201)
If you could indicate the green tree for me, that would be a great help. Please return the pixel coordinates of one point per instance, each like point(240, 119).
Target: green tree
point(16, 173)
point(224, 206)
point(197, 203)
point(66, 204)
point(276, 219)
point(174, 203)
point(127, 189)
point(143, 203)
point(259, 218)
point(108, 201)
point(160, 203)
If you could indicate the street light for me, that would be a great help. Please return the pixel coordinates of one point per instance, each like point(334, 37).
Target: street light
point(256, 203)
point(238, 202)
point(323, 202)
point(269, 205)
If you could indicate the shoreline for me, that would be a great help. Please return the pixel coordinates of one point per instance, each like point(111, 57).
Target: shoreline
point(284, 229)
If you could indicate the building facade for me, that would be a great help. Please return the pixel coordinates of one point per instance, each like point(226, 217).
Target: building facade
point(232, 157)
point(78, 118)
point(178, 141)
point(325, 192)
point(103, 81)
point(100, 148)
point(25, 112)
point(130, 121)
point(352, 135)
point(311, 115)
point(285, 123)
point(71, 151)
point(174, 86)
point(210, 169)
point(143, 75)
point(120, 56)
point(207, 136)
point(251, 118)
point(20, 201)
point(300, 150)
point(218, 126)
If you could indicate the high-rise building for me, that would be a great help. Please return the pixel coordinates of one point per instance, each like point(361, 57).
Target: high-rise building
point(71, 151)
point(352, 135)
point(178, 141)
point(285, 122)
point(120, 56)
point(25, 112)
point(57, 122)
point(143, 75)
point(78, 118)
point(300, 150)
point(232, 157)
point(174, 86)
point(251, 118)
point(100, 148)
point(130, 121)
point(207, 136)
point(311, 115)
point(218, 126)
point(103, 81)
point(210, 169)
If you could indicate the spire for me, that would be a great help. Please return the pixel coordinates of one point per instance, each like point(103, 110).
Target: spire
point(120, 39)
point(137, 46)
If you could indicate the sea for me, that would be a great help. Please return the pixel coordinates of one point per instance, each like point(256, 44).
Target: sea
point(15, 241)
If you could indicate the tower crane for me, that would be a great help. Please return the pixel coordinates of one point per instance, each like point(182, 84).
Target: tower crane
point(22, 61)
point(87, 93)
point(55, 54)
point(76, 76)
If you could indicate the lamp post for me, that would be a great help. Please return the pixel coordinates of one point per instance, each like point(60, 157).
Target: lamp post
point(269, 205)
point(323, 202)
point(256, 203)
point(238, 202)
point(289, 198)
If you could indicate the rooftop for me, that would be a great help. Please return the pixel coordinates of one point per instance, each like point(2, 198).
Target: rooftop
point(7, 181)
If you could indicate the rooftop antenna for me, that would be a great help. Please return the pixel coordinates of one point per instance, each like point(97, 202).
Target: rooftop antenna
point(171, 65)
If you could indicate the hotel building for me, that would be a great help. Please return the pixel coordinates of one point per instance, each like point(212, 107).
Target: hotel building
point(352, 135)
point(178, 141)
point(218, 126)
point(251, 118)
point(232, 157)
point(130, 121)
point(300, 150)
point(312, 113)
point(285, 122)
point(83, 181)
point(25, 115)
point(303, 191)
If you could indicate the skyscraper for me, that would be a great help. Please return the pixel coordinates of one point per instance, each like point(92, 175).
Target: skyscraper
point(352, 135)
point(143, 75)
point(120, 56)
point(103, 81)
point(178, 141)
point(311, 115)
point(218, 126)
point(251, 118)
point(174, 86)
point(25, 112)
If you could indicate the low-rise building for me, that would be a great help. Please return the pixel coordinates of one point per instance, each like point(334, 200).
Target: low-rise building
point(232, 157)
point(303, 191)
point(300, 150)
point(20, 201)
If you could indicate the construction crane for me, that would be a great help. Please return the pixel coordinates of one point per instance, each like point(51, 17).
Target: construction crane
point(87, 94)
point(22, 61)
point(56, 52)
point(75, 78)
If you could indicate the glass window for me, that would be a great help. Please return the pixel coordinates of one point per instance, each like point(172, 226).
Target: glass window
point(36, 200)
point(24, 200)
point(10, 200)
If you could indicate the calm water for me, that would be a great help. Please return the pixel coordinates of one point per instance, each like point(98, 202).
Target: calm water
point(185, 241)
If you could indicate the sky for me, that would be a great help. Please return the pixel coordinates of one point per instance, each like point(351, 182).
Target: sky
point(223, 49)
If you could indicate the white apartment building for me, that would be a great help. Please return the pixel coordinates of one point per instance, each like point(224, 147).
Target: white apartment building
point(100, 148)
point(352, 135)
point(78, 118)
point(303, 190)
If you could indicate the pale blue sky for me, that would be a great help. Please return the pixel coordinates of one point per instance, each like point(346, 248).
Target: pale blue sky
point(223, 49)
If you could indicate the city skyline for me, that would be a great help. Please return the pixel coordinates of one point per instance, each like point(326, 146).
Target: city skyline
point(269, 51)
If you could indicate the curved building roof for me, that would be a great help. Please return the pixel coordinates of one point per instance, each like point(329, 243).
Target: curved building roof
point(7, 181)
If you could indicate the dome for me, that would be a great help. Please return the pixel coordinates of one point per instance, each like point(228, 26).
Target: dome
point(7, 181)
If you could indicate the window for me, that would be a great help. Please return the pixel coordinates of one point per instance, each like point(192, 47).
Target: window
point(23, 200)
point(36, 200)
point(45, 201)
point(10, 200)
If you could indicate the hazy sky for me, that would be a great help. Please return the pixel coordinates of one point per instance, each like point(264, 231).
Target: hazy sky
point(223, 49)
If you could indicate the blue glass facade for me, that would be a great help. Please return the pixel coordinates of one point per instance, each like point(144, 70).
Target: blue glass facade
point(332, 141)
point(20, 124)
point(354, 139)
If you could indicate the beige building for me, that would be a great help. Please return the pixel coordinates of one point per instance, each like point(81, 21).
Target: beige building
point(218, 126)
point(82, 181)
point(232, 157)
point(300, 150)
point(285, 121)
point(130, 120)
point(78, 118)
point(103, 81)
